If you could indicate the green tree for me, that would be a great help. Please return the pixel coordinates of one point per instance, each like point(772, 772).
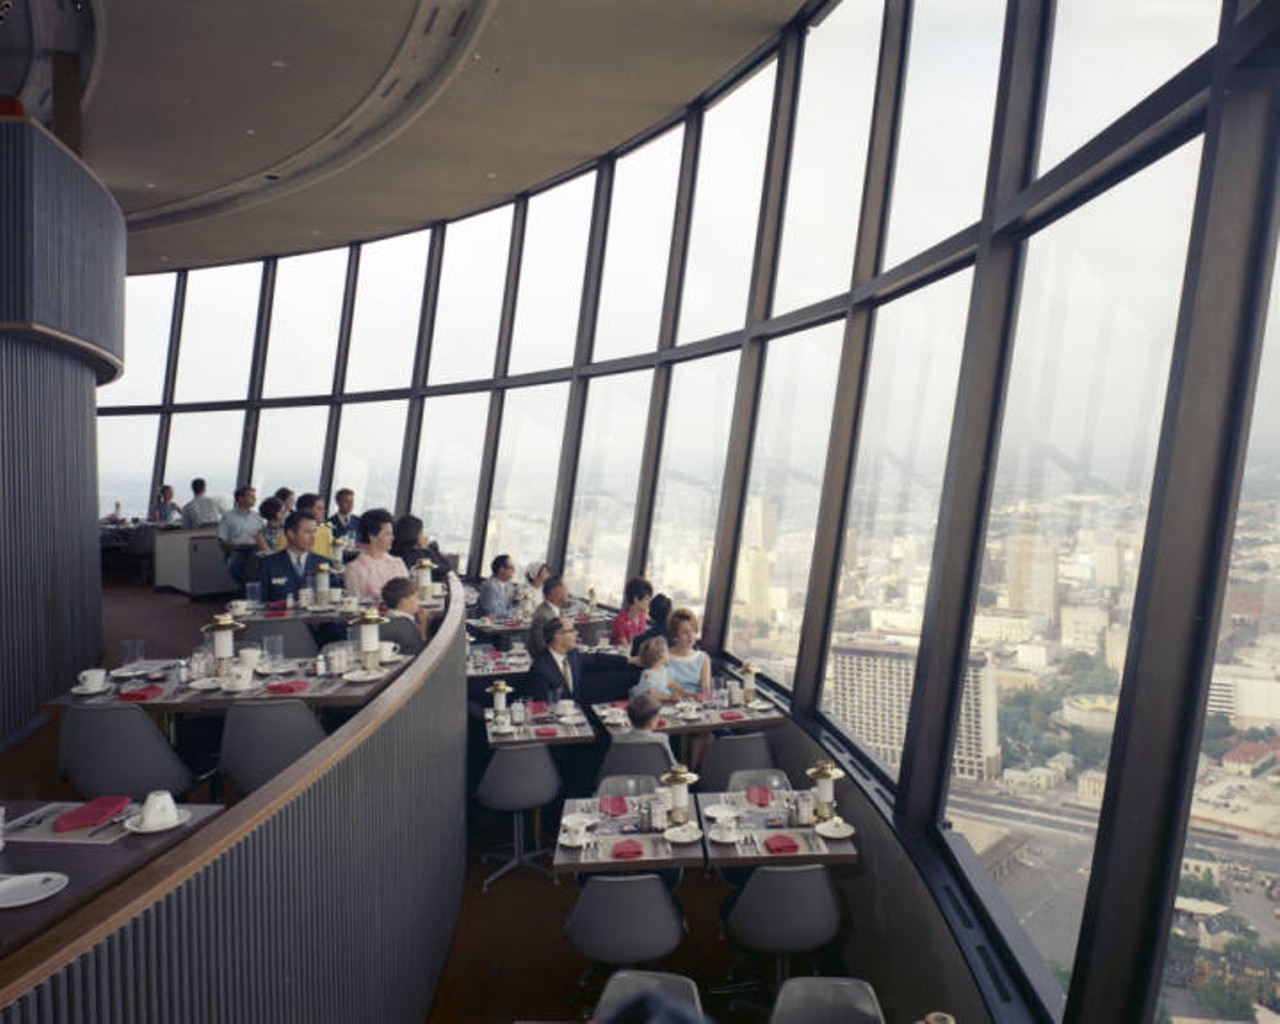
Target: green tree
point(1223, 999)
point(1200, 887)
point(1217, 736)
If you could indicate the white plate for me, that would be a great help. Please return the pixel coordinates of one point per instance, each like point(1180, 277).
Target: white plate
point(285, 667)
point(717, 811)
point(21, 890)
point(362, 675)
point(571, 844)
point(834, 829)
point(502, 730)
point(690, 716)
point(128, 673)
point(571, 719)
point(233, 686)
point(395, 659)
point(134, 823)
point(760, 705)
point(207, 683)
point(718, 836)
point(84, 691)
point(580, 819)
point(683, 834)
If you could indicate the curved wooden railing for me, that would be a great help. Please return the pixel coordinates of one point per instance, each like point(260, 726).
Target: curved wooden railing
point(329, 894)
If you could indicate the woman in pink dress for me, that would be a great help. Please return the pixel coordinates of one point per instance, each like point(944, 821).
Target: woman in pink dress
point(634, 617)
point(369, 573)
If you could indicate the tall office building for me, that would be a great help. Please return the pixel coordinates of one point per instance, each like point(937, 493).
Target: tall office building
point(1031, 565)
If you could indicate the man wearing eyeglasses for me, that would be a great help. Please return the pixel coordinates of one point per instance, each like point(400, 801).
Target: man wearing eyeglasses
point(557, 673)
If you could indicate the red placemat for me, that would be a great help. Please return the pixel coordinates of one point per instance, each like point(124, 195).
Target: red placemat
point(761, 796)
point(537, 707)
point(97, 811)
point(731, 716)
point(546, 732)
point(287, 686)
point(614, 806)
point(781, 844)
point(618, 703)
point(149, 692)
point(628, 849)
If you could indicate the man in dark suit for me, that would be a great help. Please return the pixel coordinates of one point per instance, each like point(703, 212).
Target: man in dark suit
point(557, 673)
point(284, 573)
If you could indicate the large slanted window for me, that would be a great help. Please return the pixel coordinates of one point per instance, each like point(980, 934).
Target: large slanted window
point(449, 458)
point(469, 304)
point(290, 447)
point(147, 316)
point(126, 448)
point(384, 326)
point(370, 442)
point(218, 325)
point(305, 309)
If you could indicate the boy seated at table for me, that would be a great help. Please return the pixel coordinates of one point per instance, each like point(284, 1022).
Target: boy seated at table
point(642, 713)
point(656, 678)
point(407, 626)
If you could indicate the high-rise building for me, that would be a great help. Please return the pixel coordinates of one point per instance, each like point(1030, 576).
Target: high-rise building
point(1031, 564)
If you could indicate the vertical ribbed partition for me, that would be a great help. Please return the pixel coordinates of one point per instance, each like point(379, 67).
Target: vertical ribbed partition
point(62, 260)
point(339, 907)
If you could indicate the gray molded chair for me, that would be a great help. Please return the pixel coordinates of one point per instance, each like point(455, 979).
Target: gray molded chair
point(729, 754)
point(261, 740)
point(634, 759)
point(625, 986)
point(624, 919)
point(117, 750)
point(626, 785)
point(299, 641)
point(784, 910)
point(746, 778)
point(826, 1001)
point(519, 779)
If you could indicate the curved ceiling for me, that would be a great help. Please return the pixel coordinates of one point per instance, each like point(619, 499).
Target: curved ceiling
point(238, 130)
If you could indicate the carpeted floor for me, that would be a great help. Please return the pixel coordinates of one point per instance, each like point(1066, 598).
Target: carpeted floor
point(509, 960)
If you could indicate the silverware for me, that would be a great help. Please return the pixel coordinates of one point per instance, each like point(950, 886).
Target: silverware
point(39, 819)
point(127, 813)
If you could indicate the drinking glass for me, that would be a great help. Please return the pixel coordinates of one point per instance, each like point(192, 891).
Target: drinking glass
point(132, 651)
point(253, 592)
point(273, 653)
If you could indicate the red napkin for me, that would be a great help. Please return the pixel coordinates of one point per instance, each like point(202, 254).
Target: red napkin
point(614, 806)
point(761, 796)
point(149, 692)
point(537, 707)
point(546, 731)
point(706, 698)
point(662, 723)
point(617, 703)
point(97, 811)
point(280, 605)
point(495, 655)
point(275, 615)
point(287, 686)
point(731, 716)
point(781, 844)
point(628, 849)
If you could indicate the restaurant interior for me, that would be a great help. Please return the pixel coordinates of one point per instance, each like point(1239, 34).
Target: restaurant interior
point(914, 349)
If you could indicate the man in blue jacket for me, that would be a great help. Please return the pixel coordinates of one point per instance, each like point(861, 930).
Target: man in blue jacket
point(285, 572)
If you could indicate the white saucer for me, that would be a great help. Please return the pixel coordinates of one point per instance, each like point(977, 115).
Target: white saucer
point(717, 835)
point(502, 730)
point(134, 823)
point(569, 844)
point(84, 691)
point(21, 890)
point(231, 686)
point(760, 705)
point(690, 716)
point(207, 683)
point(395, 659)
point(834, 829)
point(571, 719)
point(285, 667)
point(678, 834)
point(128, 673)
point(362, 675)
point(717, 811)
point(580, 818)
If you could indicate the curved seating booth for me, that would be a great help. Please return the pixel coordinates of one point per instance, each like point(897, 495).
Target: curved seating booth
point(330, 893)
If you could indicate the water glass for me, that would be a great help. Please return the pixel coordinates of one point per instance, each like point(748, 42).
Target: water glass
point(273, 653)
point(132, 651)
point(253, 592)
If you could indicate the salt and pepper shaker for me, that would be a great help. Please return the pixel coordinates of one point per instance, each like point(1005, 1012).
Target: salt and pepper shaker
point(646, 816)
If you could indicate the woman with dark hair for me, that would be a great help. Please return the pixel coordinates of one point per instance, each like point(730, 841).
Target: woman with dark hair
point(411, 546)
point(634, 617)
point(369, 573)
point(273, 515)
point(286, 498)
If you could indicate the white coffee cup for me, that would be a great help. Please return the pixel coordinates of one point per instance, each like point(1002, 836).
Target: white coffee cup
point(237, 607)
point(389, 649)
point(728, 830)
point(93, 679)
point(159, 811)
point(574, 835)
point(351, 604)
point(250, 656)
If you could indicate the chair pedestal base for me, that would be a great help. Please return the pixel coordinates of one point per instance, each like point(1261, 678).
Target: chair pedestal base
point(520, 857)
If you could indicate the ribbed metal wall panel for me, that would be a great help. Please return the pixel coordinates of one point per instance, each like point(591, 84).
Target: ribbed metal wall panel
point(50, 582)
point(340, 907)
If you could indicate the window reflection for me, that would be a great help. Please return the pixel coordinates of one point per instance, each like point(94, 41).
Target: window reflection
point(305, 311)
point(945, 130)
point(633, 283)
point(384, 328)
point(893, 514)
point(726, 208)
point(217, 333)
point(525, 472)
point(824, 183)
point(449, 458)
point(1107, 56)
point(370, 443)
point(290, 446)
point(469, 303)
point(148, 313)
point(1091, 355)
point(551, 272)
point(126, 453)
point(205, 444)
point(605, 495)
point(783, 488)
point(690, 472)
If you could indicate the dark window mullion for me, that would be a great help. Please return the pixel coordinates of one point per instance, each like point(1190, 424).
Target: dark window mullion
point(168, 388)
point(257, 371)
point(340, 371)
point(421, 367)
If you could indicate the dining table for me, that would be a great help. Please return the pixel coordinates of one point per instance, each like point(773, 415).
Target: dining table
point(613, 841)
point(92, 859)
point(695, 717)
point(767, 834)
point(542, 725)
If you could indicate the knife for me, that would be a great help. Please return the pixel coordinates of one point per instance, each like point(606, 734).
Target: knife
point(127, 813)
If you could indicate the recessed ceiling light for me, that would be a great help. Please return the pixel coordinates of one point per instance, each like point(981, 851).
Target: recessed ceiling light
point(278, 64)
point(492, 175)
point(150, 184)
point(251, 131)
point(164, 259)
